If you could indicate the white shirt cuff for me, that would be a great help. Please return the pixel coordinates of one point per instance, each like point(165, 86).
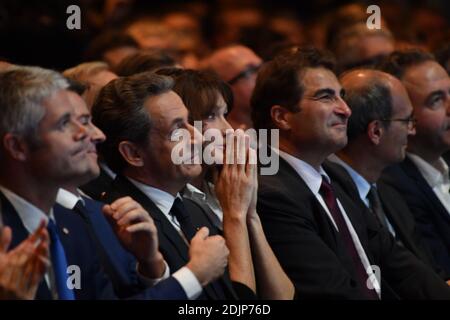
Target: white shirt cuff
point(151, 282)
point(188, 282)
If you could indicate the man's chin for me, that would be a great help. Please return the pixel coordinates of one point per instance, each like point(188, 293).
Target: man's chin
point(192, 170)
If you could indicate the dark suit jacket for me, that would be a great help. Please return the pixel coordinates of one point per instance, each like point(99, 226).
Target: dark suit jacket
point(396, 210)
point(430, 215)
point(171, 244)
point(118, 263)
point(313, 254)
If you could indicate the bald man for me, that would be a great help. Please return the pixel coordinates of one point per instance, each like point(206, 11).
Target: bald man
point(378, 130)
point(237, 65)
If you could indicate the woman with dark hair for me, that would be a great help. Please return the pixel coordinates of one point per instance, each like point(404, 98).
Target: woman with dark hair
point(228, 192)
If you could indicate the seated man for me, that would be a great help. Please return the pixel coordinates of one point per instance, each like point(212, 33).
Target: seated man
point(378, 132)
point(423, 177)
point(327, 243)
point(139, 115)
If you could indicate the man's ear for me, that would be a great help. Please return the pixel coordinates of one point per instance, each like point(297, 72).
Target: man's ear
point(280, 116)
point(16, 146)
point(375, 131)
point(131, 153)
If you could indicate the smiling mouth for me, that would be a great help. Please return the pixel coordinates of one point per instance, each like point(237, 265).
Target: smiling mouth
point(339, 125)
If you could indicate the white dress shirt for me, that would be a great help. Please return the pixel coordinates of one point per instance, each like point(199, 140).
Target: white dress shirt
point(362, 185)
point(313, 180)
point(437, 178)
point(164, 202)
point(31, 218)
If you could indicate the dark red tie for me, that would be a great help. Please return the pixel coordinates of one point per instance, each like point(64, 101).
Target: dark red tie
point(327, 193)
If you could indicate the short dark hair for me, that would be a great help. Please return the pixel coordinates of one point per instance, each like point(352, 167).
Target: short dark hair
point(279, 82)
point(399, 61)
point(120, 113)
point(143, 62)
point(372, 101)
point(198, 90)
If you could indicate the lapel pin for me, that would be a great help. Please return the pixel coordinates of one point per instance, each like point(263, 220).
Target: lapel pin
point(65, 230)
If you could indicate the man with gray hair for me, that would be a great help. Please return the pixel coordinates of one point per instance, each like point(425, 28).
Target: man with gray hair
point(237, 65)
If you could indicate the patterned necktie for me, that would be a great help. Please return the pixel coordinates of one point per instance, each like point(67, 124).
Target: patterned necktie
point(327, 192)
point(59, 263)
point(184, 219)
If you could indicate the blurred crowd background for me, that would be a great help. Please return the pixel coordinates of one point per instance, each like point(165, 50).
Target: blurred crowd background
point(34, 32)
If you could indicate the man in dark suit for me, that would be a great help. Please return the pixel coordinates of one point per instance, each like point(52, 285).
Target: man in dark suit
point(330, 246)
point(139, 114)
point(423, 177)
point(119, 254)
point(377, 133)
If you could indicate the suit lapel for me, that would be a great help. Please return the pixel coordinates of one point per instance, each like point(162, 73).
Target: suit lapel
point(168, 232)
point(413, 172)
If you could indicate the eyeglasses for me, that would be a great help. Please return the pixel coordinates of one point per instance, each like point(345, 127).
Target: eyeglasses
point(410, 121)
point(244, 74)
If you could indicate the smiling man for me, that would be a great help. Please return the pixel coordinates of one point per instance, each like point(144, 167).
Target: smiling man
point(325, 241)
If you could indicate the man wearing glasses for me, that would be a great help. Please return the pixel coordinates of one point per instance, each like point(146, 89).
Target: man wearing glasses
point(423, 177)
point(378, 132)
point(238, 66)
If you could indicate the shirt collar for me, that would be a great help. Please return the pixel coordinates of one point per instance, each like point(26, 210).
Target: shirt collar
point(431, 174)
point(361, 183)
point(163, 200)
point(108, 170)
point(67, 199)
point(193, 192)
point(311, 176)
point(30, 215)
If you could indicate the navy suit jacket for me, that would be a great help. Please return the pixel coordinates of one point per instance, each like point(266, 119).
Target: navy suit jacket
point(81, 250)
point(119, 264)
point(431, 217)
